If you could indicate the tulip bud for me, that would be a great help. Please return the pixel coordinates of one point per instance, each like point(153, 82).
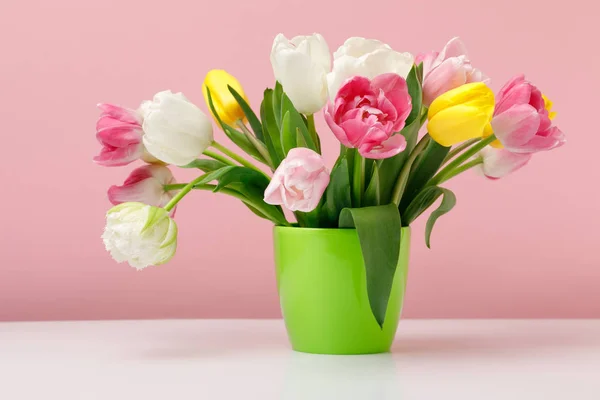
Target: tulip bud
point(299, 181)
point(227, 108)
point(461, 114)
point(140, 234)
point(498, 163)
point(175, 130)
point(301, 65)
point(145, 185)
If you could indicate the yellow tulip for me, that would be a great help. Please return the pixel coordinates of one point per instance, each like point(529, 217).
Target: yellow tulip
point(227, 108)
point(461, 114)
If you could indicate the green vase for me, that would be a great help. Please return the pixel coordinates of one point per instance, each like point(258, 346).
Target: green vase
point(322, 289)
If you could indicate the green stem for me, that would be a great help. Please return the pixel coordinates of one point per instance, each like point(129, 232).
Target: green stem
point(218, 157)
point(405, 171)
point(460, 148)
point(229, 192)
point(358, 177)
point(235, 157)
point(310, 118)
point(184, 190)
point(442, 176)
point(462, 168)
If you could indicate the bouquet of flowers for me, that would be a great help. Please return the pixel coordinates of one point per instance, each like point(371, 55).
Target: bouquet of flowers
point(375, 101)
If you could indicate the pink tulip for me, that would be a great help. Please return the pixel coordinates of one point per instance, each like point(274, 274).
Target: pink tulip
point(119, 130)
point(144, 185)
point(446, 70)
point(367, 114)
point(498, 163)
point(523, 119)
point(299, 181)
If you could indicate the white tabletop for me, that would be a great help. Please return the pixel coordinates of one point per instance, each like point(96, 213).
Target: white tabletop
point(250, 359)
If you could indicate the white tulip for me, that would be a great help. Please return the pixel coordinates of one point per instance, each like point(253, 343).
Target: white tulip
point(368, 58)
point(301, 66)
point(140, 234)
point(175, 130)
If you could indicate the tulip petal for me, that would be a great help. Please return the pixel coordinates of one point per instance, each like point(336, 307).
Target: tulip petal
point(448, 75)
point(117, 156)
point(388, 148)
point(457, 124)
point(337, 131)
point(120, 113)
point(516, 126)
point(498, 163)
point(476, 95)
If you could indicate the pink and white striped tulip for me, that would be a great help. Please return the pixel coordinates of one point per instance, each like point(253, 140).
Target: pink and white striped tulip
point(497, 163)
point(447, 70)
point(119, 130)
point(299, 181)
point(144, 185)
point(367, 114)
point(523, 119)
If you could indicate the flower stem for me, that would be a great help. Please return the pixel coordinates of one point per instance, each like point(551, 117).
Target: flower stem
point(280, 220)
point(405, 171)
point(462, 168)
point(447, 172)
point(358, 176)
point(218, 157)
point(184, 190)
point(310, 118)
point(460, 148)
point(235, 157)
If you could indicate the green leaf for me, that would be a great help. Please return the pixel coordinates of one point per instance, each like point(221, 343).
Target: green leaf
point(249, 182)
point(277, 99)
point(424, 168)
point(420, 203)
point(297, 121)
point(250, 115)
point(372, 194)
point(337, 194)
point(378, 231)
point(205, 165)
point(419, 72)
point(271, 129)
point(389, 168)
point(234, 135)
point(289, 134)
point(447, 204)
point(242, 142)
point(416, 94)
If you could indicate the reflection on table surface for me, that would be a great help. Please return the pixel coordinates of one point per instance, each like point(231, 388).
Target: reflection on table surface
point(203, 359)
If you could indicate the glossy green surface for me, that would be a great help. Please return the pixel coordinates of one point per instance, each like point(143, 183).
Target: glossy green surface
point(323, 293)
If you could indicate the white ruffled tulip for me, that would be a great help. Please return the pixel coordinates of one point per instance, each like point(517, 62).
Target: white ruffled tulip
point(175, 130)
point(301, 66)
point(140, 234)
point(368, 58)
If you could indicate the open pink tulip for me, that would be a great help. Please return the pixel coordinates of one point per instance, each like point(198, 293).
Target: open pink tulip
point(299, 181)
point(366, 114)
point(144, 185)
point(446, 70)
point(498, 163)
point(119, 130)
point(523, 119)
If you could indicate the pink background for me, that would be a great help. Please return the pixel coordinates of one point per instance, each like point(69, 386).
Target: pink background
point(526, 246)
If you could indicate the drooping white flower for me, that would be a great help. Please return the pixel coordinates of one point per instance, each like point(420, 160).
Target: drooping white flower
point(140, 234)
point(368, 58)
point(301, 66)
point(175, 130)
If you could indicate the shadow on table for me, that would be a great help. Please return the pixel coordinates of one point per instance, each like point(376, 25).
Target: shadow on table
point(222, 340)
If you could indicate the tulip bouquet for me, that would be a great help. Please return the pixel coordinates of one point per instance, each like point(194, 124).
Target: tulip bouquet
point(375, 101)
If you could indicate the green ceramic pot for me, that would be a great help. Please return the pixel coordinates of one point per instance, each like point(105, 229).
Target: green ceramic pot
point(323, 292)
